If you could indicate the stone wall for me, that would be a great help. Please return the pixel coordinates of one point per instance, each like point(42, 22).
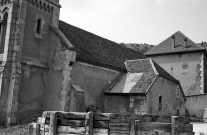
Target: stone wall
point(31, 93)
point(37, 47)
point(29, 66)
point(93, 80)
point(4, 93)
point(125, 104)
point(170, 100)
point(196, 105)
point(187, 68)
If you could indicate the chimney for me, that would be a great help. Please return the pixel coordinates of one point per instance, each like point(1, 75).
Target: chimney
point(185, 42)
point(173, 42)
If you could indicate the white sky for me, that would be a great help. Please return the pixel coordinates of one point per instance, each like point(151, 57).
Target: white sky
point(138, 21)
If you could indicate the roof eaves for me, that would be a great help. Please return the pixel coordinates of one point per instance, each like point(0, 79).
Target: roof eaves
point(125, 94)
point(177, 52)
point(101, 64)
point(153, 67)
point(62, 37)
point(182, 92)
point(152, 84)
point(173, 80)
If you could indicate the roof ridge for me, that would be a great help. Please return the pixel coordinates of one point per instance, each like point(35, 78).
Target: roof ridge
point(166, 46)
point(189, 39)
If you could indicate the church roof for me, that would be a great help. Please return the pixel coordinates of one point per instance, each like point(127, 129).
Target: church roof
point(96, 50)
point(180, 43)
point(140, 77)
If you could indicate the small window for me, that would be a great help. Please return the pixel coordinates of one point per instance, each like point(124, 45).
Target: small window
point(39, 23)
point(178, 92)
point(171, 69)
point(160, 102)
point(38, 26)
point(178, 112)
point(71, 63)
point(3, 26)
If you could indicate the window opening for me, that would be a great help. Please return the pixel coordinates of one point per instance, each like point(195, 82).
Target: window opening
point(178, 112)
point(160, 102)
point(71, 63)
point(3, 26)
point(38, 26)
point(178, 92)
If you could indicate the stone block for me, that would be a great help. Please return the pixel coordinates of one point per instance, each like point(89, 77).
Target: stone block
point(205, 115)
point(63, 92)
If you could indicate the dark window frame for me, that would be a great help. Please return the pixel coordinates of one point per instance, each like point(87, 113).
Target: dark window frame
point(3, 29)
point(160, 103)
point(39, 26)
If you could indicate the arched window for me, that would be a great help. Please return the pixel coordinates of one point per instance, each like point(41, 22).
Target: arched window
point(3, 26)
point(160, 102)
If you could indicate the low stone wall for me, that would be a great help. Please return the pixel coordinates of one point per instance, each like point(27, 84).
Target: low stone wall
point(196, 105)
point(65, 123)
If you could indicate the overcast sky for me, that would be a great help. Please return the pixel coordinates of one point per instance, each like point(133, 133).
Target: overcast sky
point(138, 21)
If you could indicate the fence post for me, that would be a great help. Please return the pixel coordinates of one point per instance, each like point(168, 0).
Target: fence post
point(89, 123)
point(135, 127)
point(34, 129)
point(53, 123)
point(132, 132)
point(43, 120)
point(174, 125)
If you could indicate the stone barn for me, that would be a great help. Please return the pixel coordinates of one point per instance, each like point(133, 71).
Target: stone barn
point(146, 88)
point(185, 60)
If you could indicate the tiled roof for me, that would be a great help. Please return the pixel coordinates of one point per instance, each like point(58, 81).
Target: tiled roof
point(133, 83)
point(202, 45)
point(96, 50)
point(141, 75)
point(168, 45)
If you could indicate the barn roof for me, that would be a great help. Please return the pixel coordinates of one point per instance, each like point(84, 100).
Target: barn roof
point(96, 50)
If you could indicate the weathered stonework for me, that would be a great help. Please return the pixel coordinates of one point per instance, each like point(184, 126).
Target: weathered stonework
point(41, 29)
point(62, 64)
point(16, 65)
point(66, 82)
point(18, 68)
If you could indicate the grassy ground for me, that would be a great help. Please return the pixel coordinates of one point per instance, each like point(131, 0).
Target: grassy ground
point(14, 130)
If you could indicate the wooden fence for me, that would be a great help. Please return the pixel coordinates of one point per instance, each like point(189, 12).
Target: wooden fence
point(73, 123)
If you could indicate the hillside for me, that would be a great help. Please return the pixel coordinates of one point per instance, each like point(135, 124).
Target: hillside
point(138, 47)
